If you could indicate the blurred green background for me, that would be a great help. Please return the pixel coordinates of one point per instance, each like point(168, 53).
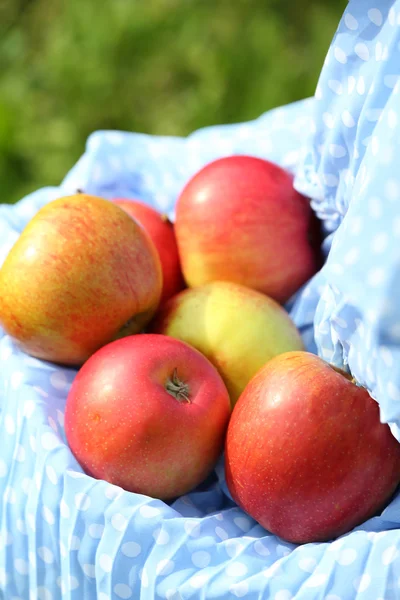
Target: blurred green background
point(154, 66)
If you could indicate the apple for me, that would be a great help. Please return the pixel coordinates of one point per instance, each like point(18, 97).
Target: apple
point(162, 233)
point(306, 454)
point(148, 413)
point(240, 219)
point(81, 274)
point(237, 328)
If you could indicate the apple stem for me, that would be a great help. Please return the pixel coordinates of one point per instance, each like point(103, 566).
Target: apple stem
point(177, 388)
point(165, 218)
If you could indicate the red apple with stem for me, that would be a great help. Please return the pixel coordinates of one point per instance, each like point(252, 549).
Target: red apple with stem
point(148, 413)
point(306, 453)
point(240, 219)
point(161, 231)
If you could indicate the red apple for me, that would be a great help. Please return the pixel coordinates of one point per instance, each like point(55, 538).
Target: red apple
point(239, 219)
point(162, 233)
point(306, 454)
point(81, 274)
point(148, 413)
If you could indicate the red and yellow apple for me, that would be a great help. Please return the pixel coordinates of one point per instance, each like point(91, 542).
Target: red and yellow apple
point(240, 219)
point(306, 454)
point(237, 328)
point(148, 413)
point(162, 233)
point(81, 274)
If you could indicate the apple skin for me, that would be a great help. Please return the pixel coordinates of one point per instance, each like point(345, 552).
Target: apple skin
point(123, 426)
point(237, 328)
point(162, 233)
point(239, 219)
point(306, 454)
point(81, 274)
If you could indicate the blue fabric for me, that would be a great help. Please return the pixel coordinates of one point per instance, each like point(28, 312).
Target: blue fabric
point(64, 534)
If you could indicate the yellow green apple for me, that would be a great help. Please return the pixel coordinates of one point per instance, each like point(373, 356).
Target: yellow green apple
point(238, 329)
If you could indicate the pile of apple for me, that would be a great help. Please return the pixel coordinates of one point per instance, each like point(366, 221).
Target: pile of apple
point(185, 350)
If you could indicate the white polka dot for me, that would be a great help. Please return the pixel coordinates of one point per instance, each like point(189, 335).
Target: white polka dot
point(199, 580)
point(391, 80)
point(103, 596)
point(386, 355)
point(376, 276)
point(239, 589)
point(21, 526)
point(119, 522)
point(59, 380)
point(389, 555)
point(21, 566)
point(233, 547)
point(243, 523)
point(392, 118)
point(375, 207)
point(330, 180)
point(165, 567)
point(122, 591)
point(360, 87)
point(307, 564)
point(201, 559)
point(82, 501)
point(336, 86)
point(64, 509)
point(350, 21)
point(10, 495)
point(26, 485)
point(106, 563)
point(352, 256)
point(347, 556)
point(10, 424)
point(347, 119)
point(50, 441)
point(351, 84)
point(362, 583)
point(337, 268)
point(51, 474)
point(236, 569)
point(72, 583)
point(48, 515)
point(340, 55)
point(221, 533)
point(373, 114)
point(161, 537)
point(378, 51)
point(40, 391)
point(392, 190)
point(75, 474)
point(393, 391)
point(46, 555)
point(89, 570)
point(337, 151)
point(380, 242)
point(44, 593)
point(283, 595)
point(131, 549)
point(362, 51)
point(332, 597)
point(95, 530)
point(16, 379)
point(282, 550)
point(3, 468)
point(329, 120)
point(74, 542)
point(261, 548)
point(375, 15)
point(192, 528)
point(316, 580)
point(149, 512)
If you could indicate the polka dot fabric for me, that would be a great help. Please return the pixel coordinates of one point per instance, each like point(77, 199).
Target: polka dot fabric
point(64, 535)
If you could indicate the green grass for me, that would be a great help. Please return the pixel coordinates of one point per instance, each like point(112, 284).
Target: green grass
point(154, 66)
